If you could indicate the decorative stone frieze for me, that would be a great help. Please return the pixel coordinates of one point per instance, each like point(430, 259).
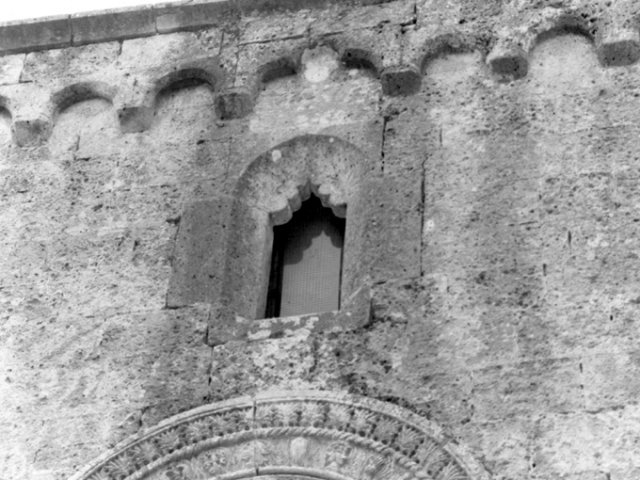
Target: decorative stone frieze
point(237, 70)
point(291, 434)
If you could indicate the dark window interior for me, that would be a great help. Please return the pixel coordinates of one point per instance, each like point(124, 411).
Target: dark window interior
point(306, 262)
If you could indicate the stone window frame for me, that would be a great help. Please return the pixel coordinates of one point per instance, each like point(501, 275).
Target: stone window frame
point(223, 247)
point(268, 192)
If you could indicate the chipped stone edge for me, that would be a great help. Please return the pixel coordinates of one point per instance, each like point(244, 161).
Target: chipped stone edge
point(79, 29)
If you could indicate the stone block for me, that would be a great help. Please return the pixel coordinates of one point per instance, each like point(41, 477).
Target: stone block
point(508, 61)
point(67, 65)
point(618, 46)
point(30, 131)
point(112, 25)
point(611, 379)
point(136, 118)
point(11, 68)
point(255, 6)
point(199, 255)
point(248, 259)
point(24, 36)
point(527, 389)
point(400, 80)
point(159, 53)
point(387, 232)
point(193, 15)
point(234, 103)
point(585, 442)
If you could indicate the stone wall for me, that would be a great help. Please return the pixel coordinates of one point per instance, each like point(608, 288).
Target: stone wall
point(501, 296)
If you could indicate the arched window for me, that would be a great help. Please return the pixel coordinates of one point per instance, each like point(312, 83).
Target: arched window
point(306, 262)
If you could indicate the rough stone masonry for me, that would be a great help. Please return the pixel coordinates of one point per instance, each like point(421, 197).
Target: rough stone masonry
point(486, 156)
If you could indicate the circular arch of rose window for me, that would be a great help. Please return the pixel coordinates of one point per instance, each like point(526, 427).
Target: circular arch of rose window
point(290, 436)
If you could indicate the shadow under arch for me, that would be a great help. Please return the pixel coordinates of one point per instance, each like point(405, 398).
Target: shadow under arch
point(5, 107)
point(185, 76)
point(512, 49)
point(442, 45)
point(270, 189)
point(80, 92)
point(361, 59)
point(565, 26)
point(282, 67)
point(239, 99)
point(310, 434)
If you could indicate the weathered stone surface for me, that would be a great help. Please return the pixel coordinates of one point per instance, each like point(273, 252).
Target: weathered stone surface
point(295, 430)
point(112, 25)
point(198, 260)
point(69, 63)
point(11, 67)
point(31, 35)
point(491, 271)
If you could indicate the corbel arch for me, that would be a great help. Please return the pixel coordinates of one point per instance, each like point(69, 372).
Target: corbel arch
point(80, 92)
point(257, 67)
point(308, 435)
point(613, 30)
point(443, 44)
point(381, 52)
point(138, 95)
point(271, 188)
point(197, 71)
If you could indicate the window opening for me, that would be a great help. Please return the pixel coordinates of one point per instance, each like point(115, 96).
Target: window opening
point(306, 263)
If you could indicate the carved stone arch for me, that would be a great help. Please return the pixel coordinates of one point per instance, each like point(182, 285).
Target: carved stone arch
point(80, 92)
point(613, 30)
point(443, 44)
point(281, 177)
point(271, 188)
point(204, 70)
point(256, 67)
point(5, 104)
point(357, 50)
point(300, 435)
point(382, 52)
point(137, 96)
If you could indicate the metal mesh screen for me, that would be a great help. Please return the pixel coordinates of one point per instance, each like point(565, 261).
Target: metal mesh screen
point(307, 262)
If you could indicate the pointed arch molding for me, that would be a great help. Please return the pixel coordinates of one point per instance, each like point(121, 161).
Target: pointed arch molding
point(224, 244)
point(296, 435)
point(274, 186)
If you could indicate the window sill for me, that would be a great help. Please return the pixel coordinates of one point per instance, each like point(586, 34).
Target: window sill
point(226, 326)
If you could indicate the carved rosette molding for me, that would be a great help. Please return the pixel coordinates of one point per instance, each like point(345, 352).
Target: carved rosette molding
point(293, 434)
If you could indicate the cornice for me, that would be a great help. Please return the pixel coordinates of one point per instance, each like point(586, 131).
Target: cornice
point(143, 21)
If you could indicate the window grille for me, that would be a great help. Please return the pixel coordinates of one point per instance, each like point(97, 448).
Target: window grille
point(306, 262)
